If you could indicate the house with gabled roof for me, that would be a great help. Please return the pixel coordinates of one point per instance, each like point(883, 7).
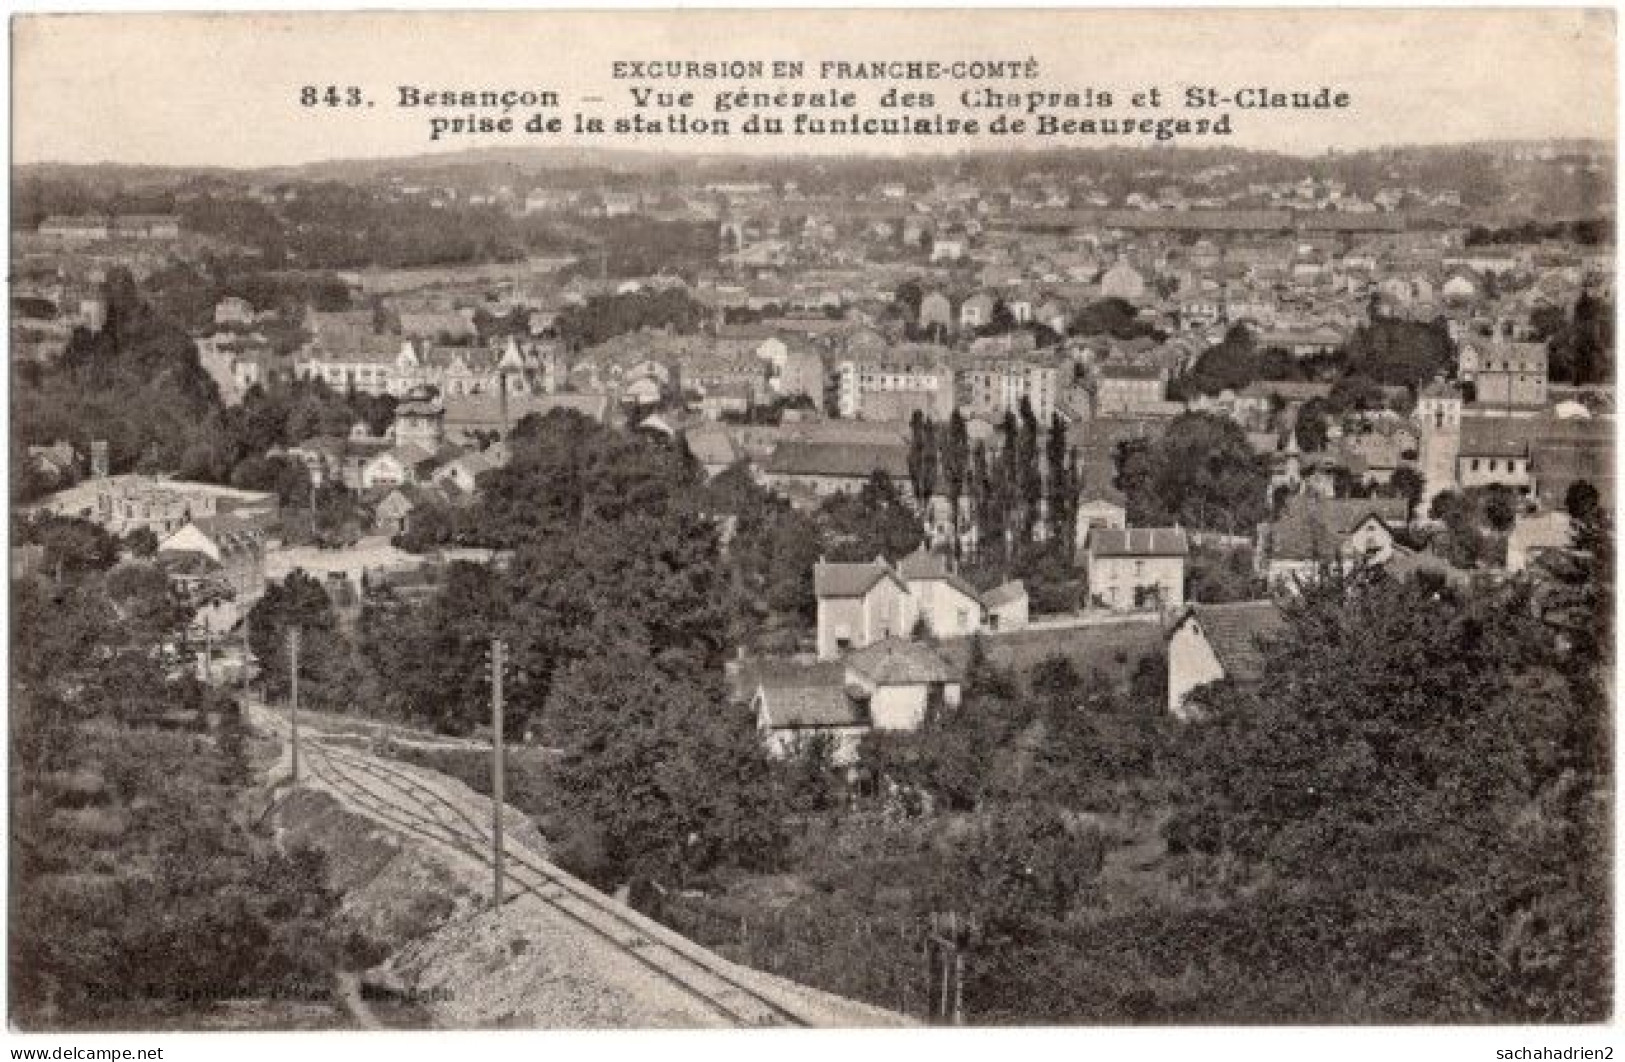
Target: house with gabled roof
point(1216, 643)
point(463, 472)
point(794, 703)
point(713, 447)
point(1005, 607)
point(1314, 531)
point(891, 685)
point(407, 463)
point(948, 604)
point(900, 679)
point(860, 604)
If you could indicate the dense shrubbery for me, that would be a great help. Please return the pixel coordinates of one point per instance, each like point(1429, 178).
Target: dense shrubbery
point(140, 896)
point(1383, 831)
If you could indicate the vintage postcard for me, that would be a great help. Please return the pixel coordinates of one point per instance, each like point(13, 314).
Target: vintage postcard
point(802, 518)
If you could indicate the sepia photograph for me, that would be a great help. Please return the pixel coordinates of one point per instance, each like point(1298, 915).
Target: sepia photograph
point(812, 519)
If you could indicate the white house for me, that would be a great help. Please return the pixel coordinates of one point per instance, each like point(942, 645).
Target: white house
point(861, 604)
point(890, 685)
point(1137, 567)
point(1315, 531)
point(1211, 643)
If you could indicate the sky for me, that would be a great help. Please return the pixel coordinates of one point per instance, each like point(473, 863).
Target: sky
point(223, 89)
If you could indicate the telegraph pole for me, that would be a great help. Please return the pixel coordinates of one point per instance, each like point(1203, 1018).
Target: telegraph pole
point(293, 696)
point(498, 651)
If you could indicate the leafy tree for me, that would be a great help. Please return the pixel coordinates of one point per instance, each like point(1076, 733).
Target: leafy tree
point(1354, 392)
point(1581, 501)
point(286, 477)
point(955, 462)
point(1582, 348)
point(141, 542)
point(429, 660)
point(1388, 771)
point(1032, 476)
point(1018, 871)
point(809, 775)
point(72, 545)
point(1113, 317)
point(1214, 576)
point(1062, 481)
point(1231, 364)
point(1202, 473)
point(1408, 483)
point(1500, 510)
point(297, 603)
point(922, 458)
point(1393, 350)
point(618, 716)
point(875, 522)
point(1310, 428)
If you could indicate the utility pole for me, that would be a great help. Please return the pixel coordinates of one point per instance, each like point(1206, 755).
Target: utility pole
point(946, 968)
point(293, 696)
point(498, 651)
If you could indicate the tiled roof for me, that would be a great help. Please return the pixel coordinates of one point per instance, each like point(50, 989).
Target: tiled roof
point(1497, 436)
point(485, 411)
point(411, 455)
point(1313, 528)
point(845, 579)
point(1138, 542)
point(896, 662)
point(1005, 594)
point(1289, 390)
point(922, 564)
point(711, 445)
point(808, 695)
point(852, 460)
point(1237, 632)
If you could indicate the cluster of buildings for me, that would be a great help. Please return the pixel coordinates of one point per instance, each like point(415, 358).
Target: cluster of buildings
point(827, 322)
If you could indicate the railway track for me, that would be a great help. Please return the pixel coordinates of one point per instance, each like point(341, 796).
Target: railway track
point(403, 802)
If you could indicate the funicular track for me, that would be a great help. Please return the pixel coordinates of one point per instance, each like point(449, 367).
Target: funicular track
point(402, 801)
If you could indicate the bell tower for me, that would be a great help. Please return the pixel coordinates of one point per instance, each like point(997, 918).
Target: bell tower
point(1438, 415)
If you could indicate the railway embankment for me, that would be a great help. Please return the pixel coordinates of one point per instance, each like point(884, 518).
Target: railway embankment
point(408, 849)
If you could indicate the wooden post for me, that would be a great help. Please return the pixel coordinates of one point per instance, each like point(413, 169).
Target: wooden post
point(293, 696)
point(497, 651)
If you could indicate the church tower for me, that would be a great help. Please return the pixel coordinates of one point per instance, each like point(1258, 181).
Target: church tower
point(1438, 415)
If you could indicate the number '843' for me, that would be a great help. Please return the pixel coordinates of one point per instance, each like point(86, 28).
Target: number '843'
point(331, 96)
